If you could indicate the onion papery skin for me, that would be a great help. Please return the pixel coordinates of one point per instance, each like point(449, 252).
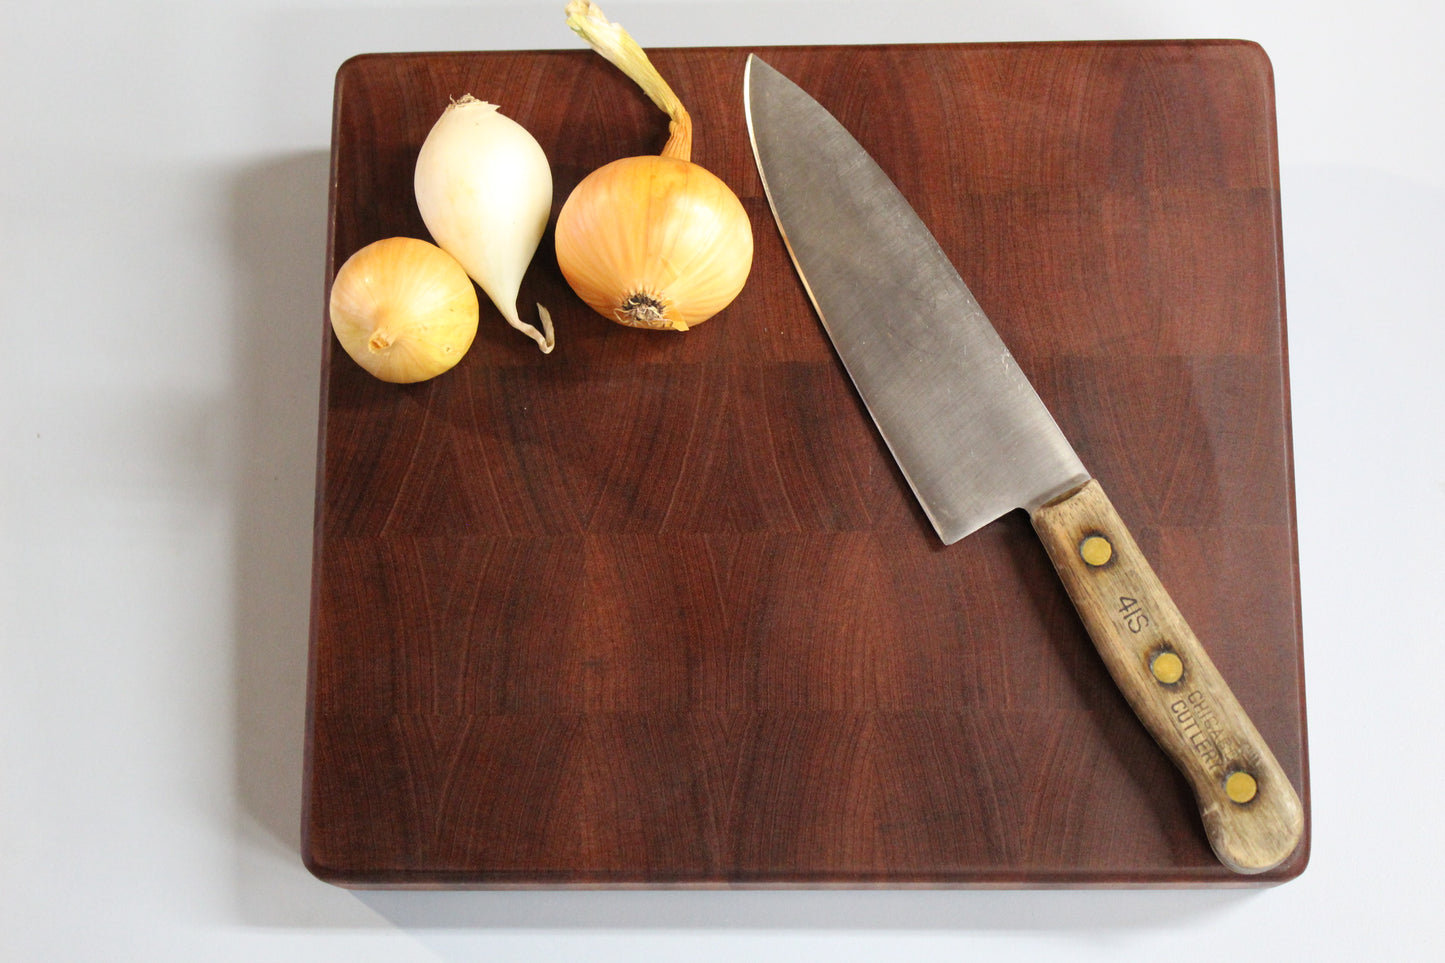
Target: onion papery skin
point(657, 232)
point(404, 309)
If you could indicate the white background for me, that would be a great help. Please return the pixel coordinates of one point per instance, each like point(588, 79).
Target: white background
point(162, 231)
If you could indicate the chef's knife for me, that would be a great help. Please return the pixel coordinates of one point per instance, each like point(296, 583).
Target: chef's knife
point(975, 442)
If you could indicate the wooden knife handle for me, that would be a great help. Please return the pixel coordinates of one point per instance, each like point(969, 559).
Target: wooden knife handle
point(1251, 813)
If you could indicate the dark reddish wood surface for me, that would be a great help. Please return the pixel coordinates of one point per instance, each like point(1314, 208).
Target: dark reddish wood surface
point(660, 609)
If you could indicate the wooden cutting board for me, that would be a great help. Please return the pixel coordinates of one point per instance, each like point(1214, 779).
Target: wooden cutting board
point(659, 608)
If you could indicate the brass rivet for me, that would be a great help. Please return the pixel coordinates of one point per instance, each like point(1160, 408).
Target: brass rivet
point(1167, 667)
point(1240, 786)
point(1096, 550)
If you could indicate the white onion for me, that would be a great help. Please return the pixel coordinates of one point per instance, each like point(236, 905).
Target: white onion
point(484, 190)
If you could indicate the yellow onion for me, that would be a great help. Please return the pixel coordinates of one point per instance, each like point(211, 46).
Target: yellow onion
point(657, 241)
point(404, 309)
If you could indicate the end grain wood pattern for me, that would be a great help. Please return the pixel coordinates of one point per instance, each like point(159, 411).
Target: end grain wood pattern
point(659, 608)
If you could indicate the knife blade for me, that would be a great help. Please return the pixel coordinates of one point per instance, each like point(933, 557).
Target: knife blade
point(975, 442)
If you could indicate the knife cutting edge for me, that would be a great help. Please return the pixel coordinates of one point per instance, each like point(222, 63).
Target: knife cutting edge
point(975, 442)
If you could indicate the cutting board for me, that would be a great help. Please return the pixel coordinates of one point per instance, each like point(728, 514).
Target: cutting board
point(659, 609)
